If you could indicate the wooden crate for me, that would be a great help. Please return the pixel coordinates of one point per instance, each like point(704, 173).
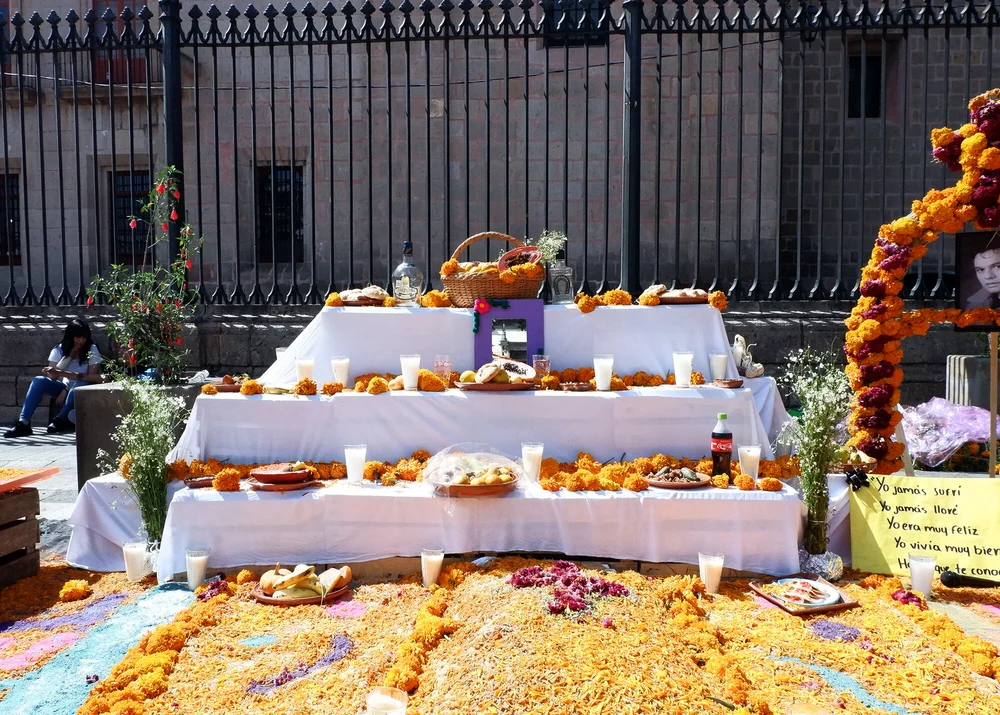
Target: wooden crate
point(18, 535)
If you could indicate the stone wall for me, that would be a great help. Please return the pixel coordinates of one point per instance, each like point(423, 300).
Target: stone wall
point(244, 341)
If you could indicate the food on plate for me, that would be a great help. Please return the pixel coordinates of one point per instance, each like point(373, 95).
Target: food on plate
point(677, 476)
point(488, 372)
point(332, 579)
point(486, 477)
point(270, 577)
point(269, 390)
point(801, 592)
point(468, 376)
point(302, 581)
point(656, 289)
point(515, 368)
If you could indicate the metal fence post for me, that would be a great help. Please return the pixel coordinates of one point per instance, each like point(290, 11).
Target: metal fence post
point(630, 146)
point(170, 20)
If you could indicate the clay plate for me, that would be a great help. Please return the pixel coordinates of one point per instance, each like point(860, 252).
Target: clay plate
point(683, 300)
point(264, 487)
point(575, 386)
point(199, 482)
point(313, 601)
point(496, 387)
point(363, 303)
point(468, 490)
point(680, 485)
point(225, 388)
point(273, 474)
point(728, 383)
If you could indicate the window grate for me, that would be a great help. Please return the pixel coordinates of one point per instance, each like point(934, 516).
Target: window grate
point(127, 191)
point(10, 220)
point(277, 219)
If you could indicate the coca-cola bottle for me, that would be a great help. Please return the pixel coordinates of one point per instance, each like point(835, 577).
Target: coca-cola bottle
point(722, 447)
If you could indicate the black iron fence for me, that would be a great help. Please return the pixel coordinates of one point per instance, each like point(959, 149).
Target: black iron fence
point(750, 147)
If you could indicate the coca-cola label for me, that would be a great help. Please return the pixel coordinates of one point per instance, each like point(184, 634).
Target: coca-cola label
point(722, 445)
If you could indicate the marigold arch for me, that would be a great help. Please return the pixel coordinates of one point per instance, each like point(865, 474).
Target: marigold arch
point(878, 323)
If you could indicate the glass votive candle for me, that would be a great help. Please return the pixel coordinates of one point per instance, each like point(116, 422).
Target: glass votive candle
point(410, 367)
point(603, 366)
point(196, 561)
point(542, 365)
point(354, 460)
point(718, 363)
point(278, 352)
point(710, 570)
point(341, 367)
point(531, 460)
point(683, 365)
point(442, 368)
point(386, 701)
point(430, 566)
point(749, 459)
point(304, 368)
point(922, 573)
point(135, 559)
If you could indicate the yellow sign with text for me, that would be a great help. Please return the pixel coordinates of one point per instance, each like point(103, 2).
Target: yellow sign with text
point(955, 520)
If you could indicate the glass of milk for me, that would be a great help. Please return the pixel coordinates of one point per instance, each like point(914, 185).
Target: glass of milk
point(410, 365)
point(683, 365)
point(304, 368)
point(135, 559)
point(749, 459)
point(341, 366)
point(718, 363)
point(921, 573)
point(430, 565)
point(710, 570)
point(386, 701)
point(197, 563)
point(531, 459)
point(354, 459)
point(603, 365)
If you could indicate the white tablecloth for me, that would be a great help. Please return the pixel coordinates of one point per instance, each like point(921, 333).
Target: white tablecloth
point(640, 338)
point(105, 517)
point(639, 423)
point(757, 531)
point(769, 405)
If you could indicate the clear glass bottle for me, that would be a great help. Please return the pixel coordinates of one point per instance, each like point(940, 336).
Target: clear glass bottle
point(407, 279)
point(561, 280)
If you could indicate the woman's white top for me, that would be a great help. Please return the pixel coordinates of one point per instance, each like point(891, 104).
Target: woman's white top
point(71, 364)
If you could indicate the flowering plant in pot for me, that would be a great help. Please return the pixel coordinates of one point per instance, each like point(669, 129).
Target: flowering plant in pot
point(151, 299)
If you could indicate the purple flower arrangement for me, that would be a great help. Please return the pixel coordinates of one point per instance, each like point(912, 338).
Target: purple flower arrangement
point(572, 591)
point(833, 631)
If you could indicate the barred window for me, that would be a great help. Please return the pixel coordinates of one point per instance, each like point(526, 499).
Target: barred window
point(10, 220)
point(127, 191)
point(279, 214)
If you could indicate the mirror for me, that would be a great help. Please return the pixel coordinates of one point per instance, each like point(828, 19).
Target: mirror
point(510, 339)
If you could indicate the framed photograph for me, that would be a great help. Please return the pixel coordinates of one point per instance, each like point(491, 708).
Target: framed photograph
point(977, 273)
point(517, 332)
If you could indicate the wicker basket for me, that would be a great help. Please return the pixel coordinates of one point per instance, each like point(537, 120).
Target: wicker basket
point(464, 288)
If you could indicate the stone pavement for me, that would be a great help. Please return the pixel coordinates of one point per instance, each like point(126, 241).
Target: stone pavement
point(58, 492)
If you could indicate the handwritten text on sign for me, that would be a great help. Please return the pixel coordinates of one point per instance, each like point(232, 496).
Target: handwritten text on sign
point(954, 520)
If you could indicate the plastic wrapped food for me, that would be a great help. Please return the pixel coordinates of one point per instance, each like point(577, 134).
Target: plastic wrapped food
point(935, 429)
point(470, 463)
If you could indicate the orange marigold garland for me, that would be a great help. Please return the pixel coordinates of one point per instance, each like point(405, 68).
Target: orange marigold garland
point(878, 323)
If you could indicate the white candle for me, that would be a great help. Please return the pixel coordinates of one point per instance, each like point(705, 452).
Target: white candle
point(386, 701)
point(921, 573)
point(683, 365)
point(197, 563)
point(354, 459)
point(719, 363)
point(749, 459)
point(531, 459)
point(135, 559)
point(710, 570)
point(341, 367)
point(304, 368)
point(430, 565)
point(603, 365)
point(410, 365)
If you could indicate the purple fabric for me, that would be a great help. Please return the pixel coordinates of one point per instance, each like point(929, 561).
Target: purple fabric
point(89, 615)
point(935, 429)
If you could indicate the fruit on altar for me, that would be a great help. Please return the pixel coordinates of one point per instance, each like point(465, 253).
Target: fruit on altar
point(332, 579)
point(519, 255)
point(396, 383)
point(299, 576)
point(468, 376)
point(295, 592)
point(269, 578)
point(487, 373)
point(515, 368)
point(501, 378)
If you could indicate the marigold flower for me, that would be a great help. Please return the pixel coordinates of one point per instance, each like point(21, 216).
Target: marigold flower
point(209, 390)
point(649, 299)
point(435, 299)
point(769, 484)
point(251, 387)
point(550, 382)
point(337, 470)
point(717, 299)
point(227, 480)
point(568, 375)
point(125, 463)
point(333, 300)
point(389, 302)
point(74, 590)
point(721, 481)
point(449, 267)
point(616, 296)
point(531, 271)
point(429, 382)
point(421, 455)
point(990, 159)
point(332, 388)
point(507, 276)
point(305, 386)
point(587, 303)
point(177, 470)
point(744, 482)
point(377, 385)
point(374, 470)
point(942, 136)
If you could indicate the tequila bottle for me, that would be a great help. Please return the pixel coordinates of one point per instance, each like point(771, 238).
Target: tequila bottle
point(407, 280)
point(561, 280)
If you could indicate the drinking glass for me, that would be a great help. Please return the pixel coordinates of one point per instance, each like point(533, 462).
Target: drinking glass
point(603, 365)
point(710, 570)
point(921, 573)
point(386, 701)
point(531, 459)
point(354, 459)
point(430, 565)
point(718, 363)
point(341, 366)
point(683, 365)
point(135, 559)
point(304, 368)
point(749, 459)
point(442, 368)
point(278, 352)
point(196, 561)
point(542, 365)
point(410, 366)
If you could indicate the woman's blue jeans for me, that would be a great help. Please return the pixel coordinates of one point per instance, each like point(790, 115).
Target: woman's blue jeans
point(43, 386)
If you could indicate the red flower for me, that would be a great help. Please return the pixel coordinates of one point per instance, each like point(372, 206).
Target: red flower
point(132, 223)
point(131, 344)
point(159, 307)
point(177, 193)
point(177, 303)
point(160, 188)
point(482, 306)
point(187, 264)
point(179, 340)
point(90, 300)
point(164, 226)
point(131, 359)
point(173, 215)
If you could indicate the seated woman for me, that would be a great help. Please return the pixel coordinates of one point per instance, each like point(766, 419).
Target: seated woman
point(73, 362)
